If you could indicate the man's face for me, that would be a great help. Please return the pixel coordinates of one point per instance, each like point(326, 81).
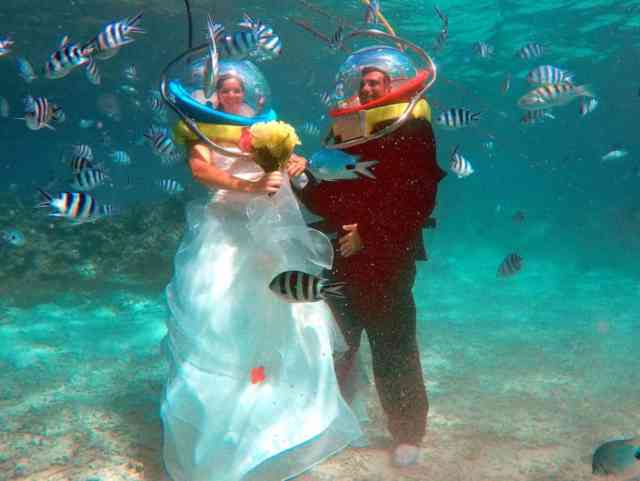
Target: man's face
point(372, 87)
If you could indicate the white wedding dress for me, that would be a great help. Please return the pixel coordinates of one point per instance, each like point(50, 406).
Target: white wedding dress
point(221, 420)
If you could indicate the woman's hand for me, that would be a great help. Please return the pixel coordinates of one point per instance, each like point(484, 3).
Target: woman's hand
point(268, 184)
point(296, 165)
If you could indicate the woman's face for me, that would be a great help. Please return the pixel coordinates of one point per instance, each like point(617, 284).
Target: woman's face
point(231, 95)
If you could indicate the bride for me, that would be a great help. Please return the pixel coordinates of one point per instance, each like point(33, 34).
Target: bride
point(252, 393)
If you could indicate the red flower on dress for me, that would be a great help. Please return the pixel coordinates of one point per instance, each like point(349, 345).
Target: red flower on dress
point(245, 140)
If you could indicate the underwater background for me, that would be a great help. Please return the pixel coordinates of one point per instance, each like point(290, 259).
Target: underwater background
point(526, 375)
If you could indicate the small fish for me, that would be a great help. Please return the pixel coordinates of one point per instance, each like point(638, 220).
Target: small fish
point(158, 108)
point(66, 58)
point(309, 128)
point(88, 179)
point(444, 32)
point(483, 49)
point(82, 150)
point(5, 45)
point(160, 140)
point(336, 40)
point(86, 123)
point(128, 89)
point(553, 95)
point(4, 108)
point(39, 112)
point(13, 237)
point(131, 73)
point(548, 74)
point(456, 118)
point(269, 44)
point(620, 458)
point(488, 145)
point(506, 84)
point(535, 116)
point(615, 154)
point(588, 106)
point(211, 62)
point(115, 35)
point(326, 98)
point(335, 164)
point(78, 207)
point(108, 210)
point(530, 50)
point(510, 265)
point(297, 286)
point(459, 165)
point(518, 217)
point(170, 186)
point(120, 157)
point(25, 70)
point(259, 42)
point(371, 13)
point(92, 72)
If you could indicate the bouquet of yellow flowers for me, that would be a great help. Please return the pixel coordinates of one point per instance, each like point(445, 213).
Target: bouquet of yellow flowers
point(273, 142)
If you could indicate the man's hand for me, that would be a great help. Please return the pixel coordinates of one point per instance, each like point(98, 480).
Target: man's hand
point(350, 243)
point(296, 165)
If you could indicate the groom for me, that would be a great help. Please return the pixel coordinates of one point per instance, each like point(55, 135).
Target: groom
point(379, 223)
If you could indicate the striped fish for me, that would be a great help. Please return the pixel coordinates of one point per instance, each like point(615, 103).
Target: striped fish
point(77, 207)
point(548, 74)
point(25, 70)
point(459, 165)
point(120, 157)
point(88, 179)
point(160, 140)
point(553, 95)
point(336, 40)
point(108, 210)
point(131, 73)
point(297, 286)
point(170, 186)
point(65, 59)
point(530, 50)
point(484, 50)
point(115, 35)
point(510, 265)
point(39, 112)
point(78, 163)
point(535, 116)
point(82, 150)
point(588, 106)
point(157, 105)
point(258, 42)
point(5, 45)
point(456, 118)
point(92, 72)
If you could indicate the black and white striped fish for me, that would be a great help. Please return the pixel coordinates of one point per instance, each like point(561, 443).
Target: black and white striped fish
point(297, 286)
point(510, 265)
point(336, 40)
point(78, 207)
point(66, 58)
point(39, 112)
point(484, 50)
point(82, 150)
point(160, 140)
point(535, 116)
point(553, 95)
point(78, 163)
point(530, 50)
point(157, 105)
point(120, 157)
point(588, 106)
point(88, 179)
point(25, 70)
point(456, 118)
point(170, 186)
point(108, 210)
point(310, 128)
point(92, 72)
point(548, 74)
point(131, 73)
point(115, 35)
point(258, 42)
point(459, 165)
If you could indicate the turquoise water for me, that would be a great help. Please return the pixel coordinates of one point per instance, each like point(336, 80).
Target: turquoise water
point(526, 375)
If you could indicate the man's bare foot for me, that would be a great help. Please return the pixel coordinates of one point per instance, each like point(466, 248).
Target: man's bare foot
point(405, 455)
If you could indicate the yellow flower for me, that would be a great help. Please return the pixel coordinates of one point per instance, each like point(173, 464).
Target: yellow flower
point(273, 143)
